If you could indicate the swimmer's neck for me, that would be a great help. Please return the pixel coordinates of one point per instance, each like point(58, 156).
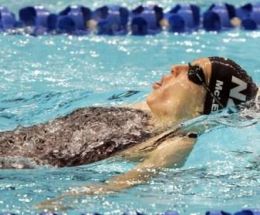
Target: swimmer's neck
point(140, 106)
point(157, 121)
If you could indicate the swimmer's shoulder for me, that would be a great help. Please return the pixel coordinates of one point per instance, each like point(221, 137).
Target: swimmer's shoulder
point(139, 106)
point(106, 115)
point(103, 110)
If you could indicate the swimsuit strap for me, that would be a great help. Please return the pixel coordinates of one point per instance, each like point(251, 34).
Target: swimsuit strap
point(177, 131)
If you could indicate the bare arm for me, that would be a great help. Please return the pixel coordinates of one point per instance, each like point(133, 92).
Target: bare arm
point(172, 152)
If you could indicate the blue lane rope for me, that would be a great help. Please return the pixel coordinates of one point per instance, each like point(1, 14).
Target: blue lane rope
point(118, 20)
point(242, 212)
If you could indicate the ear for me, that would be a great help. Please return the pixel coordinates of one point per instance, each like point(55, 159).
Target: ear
point(177, 69)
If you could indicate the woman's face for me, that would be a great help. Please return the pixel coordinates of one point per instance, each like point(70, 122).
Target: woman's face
point(175, 97)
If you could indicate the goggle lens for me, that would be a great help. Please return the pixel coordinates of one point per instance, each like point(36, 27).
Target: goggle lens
point(196, 75)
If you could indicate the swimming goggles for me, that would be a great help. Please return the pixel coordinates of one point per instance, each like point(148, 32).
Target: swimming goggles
point(197, 76)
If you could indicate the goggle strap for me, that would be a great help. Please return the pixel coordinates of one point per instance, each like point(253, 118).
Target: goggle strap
point(202, 81)
point(212, 95)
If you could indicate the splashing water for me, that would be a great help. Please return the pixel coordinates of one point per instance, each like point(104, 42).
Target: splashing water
point(46, 77)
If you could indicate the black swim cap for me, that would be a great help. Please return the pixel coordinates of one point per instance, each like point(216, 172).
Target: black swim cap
point(229, 83)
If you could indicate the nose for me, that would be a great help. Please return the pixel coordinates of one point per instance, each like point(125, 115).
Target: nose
point(175, 71)
point(178, 69)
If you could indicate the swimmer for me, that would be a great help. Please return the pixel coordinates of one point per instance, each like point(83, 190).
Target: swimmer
point(149, 132)
point(202, 87)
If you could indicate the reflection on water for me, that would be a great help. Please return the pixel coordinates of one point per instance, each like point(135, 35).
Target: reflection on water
point(46, 77)
point(222, 173)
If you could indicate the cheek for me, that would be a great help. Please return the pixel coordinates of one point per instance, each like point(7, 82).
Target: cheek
point(181, 98)
point(166, 99)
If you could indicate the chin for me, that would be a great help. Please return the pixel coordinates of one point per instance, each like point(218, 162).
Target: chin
point(151, 101)
point(156, 106)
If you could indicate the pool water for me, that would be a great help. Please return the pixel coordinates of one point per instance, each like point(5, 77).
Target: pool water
point(49, 76)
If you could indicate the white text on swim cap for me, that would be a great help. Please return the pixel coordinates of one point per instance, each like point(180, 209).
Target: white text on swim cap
point(236, 92)
point(217, 91)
